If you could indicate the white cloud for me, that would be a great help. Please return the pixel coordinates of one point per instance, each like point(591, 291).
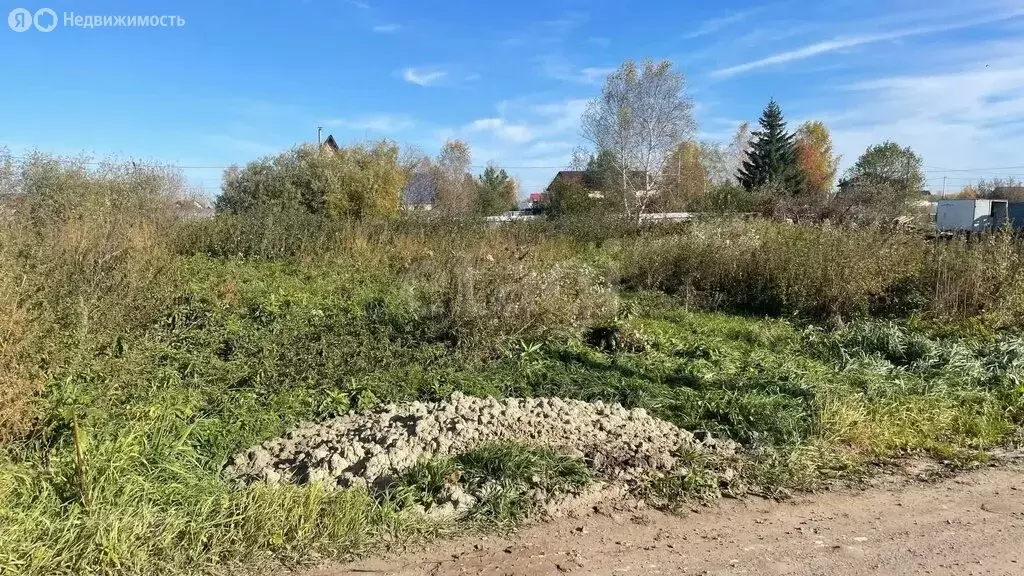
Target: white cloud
point(594, 75)
point(359, 4)
point(558, 67)
point(374, 123)
point(962, 121)
point(423, 76)
point(716, 24)
point(563, 115)
point(843, 43)
point(386, 28)
point(517, 133)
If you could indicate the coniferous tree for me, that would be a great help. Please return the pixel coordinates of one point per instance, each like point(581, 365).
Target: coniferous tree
point(772, 158)
point(496, 192)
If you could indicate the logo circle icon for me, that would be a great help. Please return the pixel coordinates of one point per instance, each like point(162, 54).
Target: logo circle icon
point(38, 21)
point(20, 19)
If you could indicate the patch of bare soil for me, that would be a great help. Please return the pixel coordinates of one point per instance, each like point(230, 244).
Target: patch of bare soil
point(971, 523)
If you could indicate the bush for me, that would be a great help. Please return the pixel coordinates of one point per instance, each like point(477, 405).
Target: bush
point(353, 182)
point(86, 255)
point(486, 301)
point(826, 271)
point(774, 268)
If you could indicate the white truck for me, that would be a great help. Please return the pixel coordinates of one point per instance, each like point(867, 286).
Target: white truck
point(976, 215)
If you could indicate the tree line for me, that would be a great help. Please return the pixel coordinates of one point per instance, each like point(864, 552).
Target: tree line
point(642, 156)
point(368, 181)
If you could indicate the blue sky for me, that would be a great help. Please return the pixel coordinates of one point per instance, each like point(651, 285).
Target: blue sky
point(241, 80)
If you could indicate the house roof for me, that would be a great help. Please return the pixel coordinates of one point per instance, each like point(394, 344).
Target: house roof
point(331, 143)
point(578, 177)
point(571, 176)
point(420, 190)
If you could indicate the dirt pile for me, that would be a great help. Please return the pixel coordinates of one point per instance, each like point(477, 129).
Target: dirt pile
point(370, 449)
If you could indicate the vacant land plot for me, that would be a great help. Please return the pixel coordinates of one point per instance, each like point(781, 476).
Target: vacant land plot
point(141, 356)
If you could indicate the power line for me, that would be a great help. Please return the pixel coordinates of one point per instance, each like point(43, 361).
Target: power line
point(937, 169)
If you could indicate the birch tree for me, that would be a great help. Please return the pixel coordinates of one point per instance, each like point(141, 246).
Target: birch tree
point(455, 193)
point(641, 116)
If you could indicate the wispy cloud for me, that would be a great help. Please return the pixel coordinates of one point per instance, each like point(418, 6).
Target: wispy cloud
point(716, 24)
point(359, 4)
point(971, 120)
point(517, 133)
point(844, 43)
point(373, 123)
point(547, 32)
point(558, 67)
point(386, 28)
point(423, 76)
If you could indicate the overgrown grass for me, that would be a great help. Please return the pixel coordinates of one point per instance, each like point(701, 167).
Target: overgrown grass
point(829, 272)
point(169, 347)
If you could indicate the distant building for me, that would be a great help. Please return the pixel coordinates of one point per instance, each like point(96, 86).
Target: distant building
point(420, 192)
point(330, 144)
point(580, 177)
point(194, 209)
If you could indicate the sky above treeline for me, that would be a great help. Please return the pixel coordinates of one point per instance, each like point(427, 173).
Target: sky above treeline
point(237, 81)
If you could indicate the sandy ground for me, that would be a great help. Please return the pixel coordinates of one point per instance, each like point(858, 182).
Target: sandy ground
point(968, 524)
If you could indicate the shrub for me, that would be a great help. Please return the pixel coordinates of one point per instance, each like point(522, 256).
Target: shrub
point(774, 268)
point(357, 181)
point(484, 301)
point(86, 255)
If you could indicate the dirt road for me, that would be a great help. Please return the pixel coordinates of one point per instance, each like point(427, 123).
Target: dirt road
point(968, 524)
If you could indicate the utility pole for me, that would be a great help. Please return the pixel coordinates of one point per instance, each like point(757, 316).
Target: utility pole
point(943, 186)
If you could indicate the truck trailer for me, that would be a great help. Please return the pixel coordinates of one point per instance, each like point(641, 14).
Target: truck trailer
point(978, 215)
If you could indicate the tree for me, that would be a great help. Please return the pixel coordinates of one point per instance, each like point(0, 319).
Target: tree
point(1002, 188)
point(371, 181)
point(640, 116)
point(686, 178)
point(888, 166)
point(772, 160)
point(454, 193)
point(602, 175)
point(496, 192)
point(884, 180)
point(353, 182)
point(816, 159)
point(568, 197)
point(739, 147)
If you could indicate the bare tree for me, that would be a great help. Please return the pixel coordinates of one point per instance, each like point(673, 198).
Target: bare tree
point(738, 148)
point(455, 193)
point(413, 159)
point(640, 116)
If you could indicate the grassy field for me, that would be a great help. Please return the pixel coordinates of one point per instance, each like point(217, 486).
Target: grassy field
point(139, 353)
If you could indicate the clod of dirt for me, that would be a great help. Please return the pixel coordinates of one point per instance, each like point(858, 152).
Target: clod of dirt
point(372, 448)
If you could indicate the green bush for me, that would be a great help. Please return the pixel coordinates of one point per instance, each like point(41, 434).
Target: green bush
point(352, 182)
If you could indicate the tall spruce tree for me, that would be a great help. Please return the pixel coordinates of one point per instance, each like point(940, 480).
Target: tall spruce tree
point(772, 160)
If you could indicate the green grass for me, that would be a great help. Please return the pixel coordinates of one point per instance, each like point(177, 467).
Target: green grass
point(249, 349)
point(504, 477)
point(172, 349)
